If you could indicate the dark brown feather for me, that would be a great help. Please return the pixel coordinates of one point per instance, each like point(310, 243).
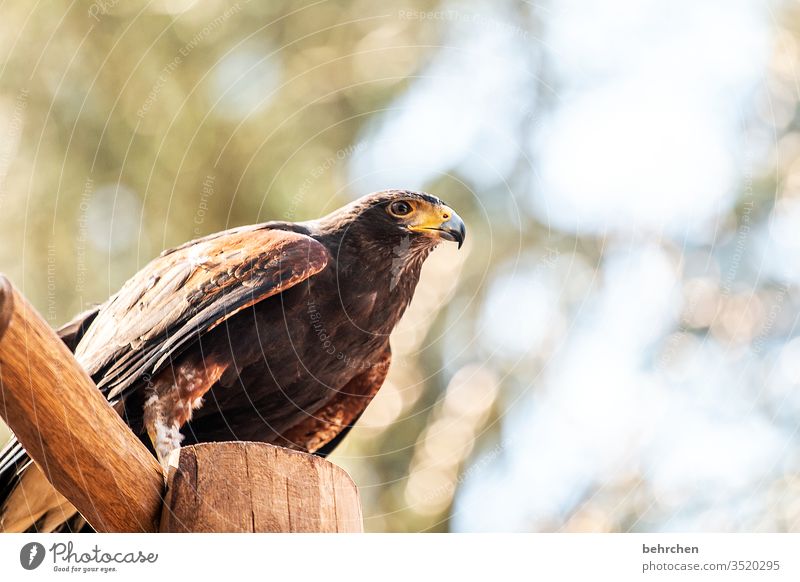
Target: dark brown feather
point(187, 292)
point(280, 330)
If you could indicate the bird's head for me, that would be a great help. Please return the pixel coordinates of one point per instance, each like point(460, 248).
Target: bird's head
point(399, 218)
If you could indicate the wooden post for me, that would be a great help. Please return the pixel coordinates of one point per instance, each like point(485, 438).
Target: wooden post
point(94, 460)
point(80, 443)
point(255, 487)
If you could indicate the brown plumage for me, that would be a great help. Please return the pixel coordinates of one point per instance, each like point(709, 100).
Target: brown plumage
point(277, 332)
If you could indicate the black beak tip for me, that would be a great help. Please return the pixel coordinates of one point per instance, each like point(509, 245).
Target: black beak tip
point(462, 234)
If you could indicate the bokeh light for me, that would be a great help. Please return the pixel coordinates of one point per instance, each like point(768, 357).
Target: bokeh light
point(614, 349)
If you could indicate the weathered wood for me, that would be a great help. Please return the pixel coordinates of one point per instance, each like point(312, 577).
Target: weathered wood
point(66, 425)
point(255, 487)
point(93, 459)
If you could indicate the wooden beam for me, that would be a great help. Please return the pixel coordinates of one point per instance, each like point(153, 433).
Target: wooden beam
point(255, 487)
point(81, 444)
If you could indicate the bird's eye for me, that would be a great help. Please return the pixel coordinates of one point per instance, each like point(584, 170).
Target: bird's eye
point(400, 208)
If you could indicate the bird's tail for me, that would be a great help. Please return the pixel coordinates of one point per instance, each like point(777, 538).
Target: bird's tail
point(28, 502)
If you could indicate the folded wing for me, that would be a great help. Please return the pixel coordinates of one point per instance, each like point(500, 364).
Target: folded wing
point(186, 292)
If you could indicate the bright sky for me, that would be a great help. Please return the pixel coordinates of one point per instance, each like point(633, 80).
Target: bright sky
point(642, 142)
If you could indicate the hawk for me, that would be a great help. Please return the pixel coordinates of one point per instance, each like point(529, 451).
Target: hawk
point(275, 332)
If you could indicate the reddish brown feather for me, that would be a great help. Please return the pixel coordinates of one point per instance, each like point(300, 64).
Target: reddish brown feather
point(342, 412)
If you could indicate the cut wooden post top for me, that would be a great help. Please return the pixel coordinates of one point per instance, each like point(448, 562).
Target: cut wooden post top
point(256, 487)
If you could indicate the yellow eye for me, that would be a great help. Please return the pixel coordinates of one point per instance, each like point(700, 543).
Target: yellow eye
point(400, 208)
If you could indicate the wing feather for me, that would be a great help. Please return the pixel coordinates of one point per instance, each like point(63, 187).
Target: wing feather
point(186, 292)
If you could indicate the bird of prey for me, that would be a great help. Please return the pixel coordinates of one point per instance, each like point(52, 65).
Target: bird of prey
point(276, 332)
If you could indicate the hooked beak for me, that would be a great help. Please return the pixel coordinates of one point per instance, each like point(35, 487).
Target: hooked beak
point(443, 223)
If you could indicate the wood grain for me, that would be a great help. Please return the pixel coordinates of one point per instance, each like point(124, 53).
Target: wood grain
point(69, 429)
point(256, 487)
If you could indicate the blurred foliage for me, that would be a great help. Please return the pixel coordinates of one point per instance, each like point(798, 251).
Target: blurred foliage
point(130, 127)
point(133, 126)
